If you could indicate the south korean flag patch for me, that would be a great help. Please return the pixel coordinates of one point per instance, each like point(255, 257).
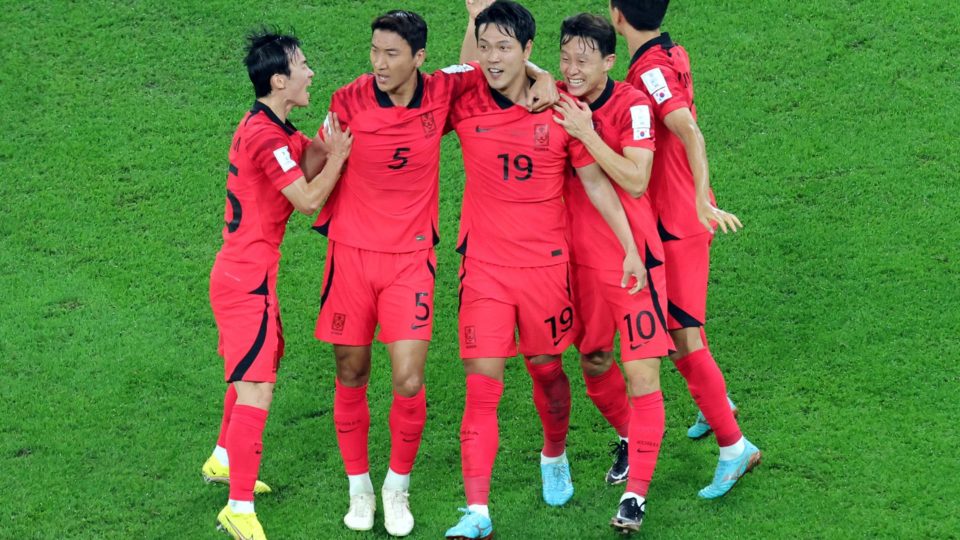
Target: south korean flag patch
point(283, 158)
point(656, 85)
point(640, 121)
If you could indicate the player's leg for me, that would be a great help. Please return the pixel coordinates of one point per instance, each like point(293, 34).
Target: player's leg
point(687, 264)
point(606, 388)
point(546, 323)
point(487, 323)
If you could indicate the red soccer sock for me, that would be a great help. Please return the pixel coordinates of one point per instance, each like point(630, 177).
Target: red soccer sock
point(709, 390)
point(245, 447)
point(229, 399)
point(551, 395)
point(608, 391)
point(351, 417)
point(407, 418)
point(479, 436)
point(646, 432)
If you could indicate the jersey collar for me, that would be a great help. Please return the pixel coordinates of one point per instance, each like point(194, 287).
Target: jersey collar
point(604, 97)
point(259, 106)
point(503, 101)
point(663, 40)
point(383, 99)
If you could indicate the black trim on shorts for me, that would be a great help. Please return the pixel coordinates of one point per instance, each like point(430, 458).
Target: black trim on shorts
point(665, 235)
point(326, 290)
point(463, 275)
point(685, 319)
point(234, 223)
point(462, 248)
point(651, 262)
point(247, 361)
point(262, 289)
point(323, 228)
point(436, 235)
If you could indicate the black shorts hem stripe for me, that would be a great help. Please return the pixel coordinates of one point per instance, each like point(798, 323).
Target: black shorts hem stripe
point(665, 235)
point(463, 274)
point(254, 351)
point(262, 289)
point(326, 290)
point(685, 319)
point(323, 228)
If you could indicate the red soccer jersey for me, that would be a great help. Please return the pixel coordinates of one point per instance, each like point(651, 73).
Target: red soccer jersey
point(622, 118)
point(662, 69)
point(264, 159)
point(515, 163)
point(387, 198)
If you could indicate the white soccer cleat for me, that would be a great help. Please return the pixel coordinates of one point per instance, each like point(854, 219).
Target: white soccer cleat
point(396, 512)
point(362, 509)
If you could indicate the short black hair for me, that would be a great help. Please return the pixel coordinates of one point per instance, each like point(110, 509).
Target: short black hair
point(590, 27)
point(642, 14)
point(406, 24)
point(268, 53)
point(510, 18)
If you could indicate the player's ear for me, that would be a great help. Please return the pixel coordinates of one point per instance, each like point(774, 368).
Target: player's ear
point(527, 49)
point(420, 57)
point(278, 81)
point(609, 61)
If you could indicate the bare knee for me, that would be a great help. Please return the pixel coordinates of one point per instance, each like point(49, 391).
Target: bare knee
point(687, 340)
point(407, 384)
point(643, 376)
point(353, 365)
point(596, 364)
point(254, 394)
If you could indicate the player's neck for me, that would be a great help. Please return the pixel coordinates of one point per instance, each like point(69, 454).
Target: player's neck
point(595, 93)
point(637, 38)
point(516, 91)
point(402, 95)
point(278, 105)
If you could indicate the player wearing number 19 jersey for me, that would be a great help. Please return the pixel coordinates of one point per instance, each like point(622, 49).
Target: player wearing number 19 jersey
point(680, 192)
point(515, 272)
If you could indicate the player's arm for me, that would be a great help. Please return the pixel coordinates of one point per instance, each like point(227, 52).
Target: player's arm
point(542, 94)
point(314, 157)
point(308, 196)
point(605, 200)
point(681, 123)
point(631, 171)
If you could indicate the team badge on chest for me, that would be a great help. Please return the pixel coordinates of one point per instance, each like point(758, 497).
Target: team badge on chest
point(428, 123)
point(541, 135)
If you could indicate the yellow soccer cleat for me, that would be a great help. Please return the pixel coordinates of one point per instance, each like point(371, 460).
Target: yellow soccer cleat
point(240, 526)
point(214, 471)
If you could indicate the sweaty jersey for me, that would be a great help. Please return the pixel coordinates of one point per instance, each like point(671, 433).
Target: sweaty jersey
point(661, 68)
point(622, 118)
point(387, 199)
point(515, 163)
point(264, 159)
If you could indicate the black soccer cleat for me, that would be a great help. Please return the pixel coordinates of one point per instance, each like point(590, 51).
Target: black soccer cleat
point(629, 516)
point(621, 463)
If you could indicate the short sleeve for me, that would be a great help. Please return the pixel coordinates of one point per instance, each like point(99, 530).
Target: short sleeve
point(272, 152)
point(665, 90)
point(460, 78)
point(579, 155)
point(636, 124)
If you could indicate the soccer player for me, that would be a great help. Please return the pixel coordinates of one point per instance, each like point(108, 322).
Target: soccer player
point(515, 272)
point(614, 123)
point(382, 225)
point(265, 183)
point(684, 204)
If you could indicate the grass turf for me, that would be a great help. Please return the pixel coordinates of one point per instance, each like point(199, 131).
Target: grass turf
point(831, 132)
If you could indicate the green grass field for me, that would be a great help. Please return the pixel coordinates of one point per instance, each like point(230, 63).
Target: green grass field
point(832, 132)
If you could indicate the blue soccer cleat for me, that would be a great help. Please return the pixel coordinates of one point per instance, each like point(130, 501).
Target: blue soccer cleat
point(557, 484)
point(729, 471)
point(472, 526)
point(701, 428)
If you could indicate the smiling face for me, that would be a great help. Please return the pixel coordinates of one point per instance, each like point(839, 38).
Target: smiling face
point(584, 67)
point(394, 63)
point(502, 58)
point(295, 85)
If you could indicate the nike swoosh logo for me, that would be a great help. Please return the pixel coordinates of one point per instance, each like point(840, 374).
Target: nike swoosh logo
point(558, 340)
point(483, 130)
point(409, 440)
point(637, 346)
point(417, 326)
point(235, 529)
point(347, 430)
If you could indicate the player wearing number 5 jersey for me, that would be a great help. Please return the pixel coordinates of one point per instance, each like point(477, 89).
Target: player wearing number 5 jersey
point(684, 204)
point(515, 273)
point(382, 225)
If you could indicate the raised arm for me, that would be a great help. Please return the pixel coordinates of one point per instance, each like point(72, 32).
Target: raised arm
point(308, 196)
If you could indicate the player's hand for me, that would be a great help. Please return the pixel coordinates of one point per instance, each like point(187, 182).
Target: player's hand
point(633, 268)
point(543, 94)
point(708, 213)
point(474, 7)
point(577, 117)
point(339, 142)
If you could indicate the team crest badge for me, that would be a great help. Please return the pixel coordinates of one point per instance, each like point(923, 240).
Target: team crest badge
point(470, 336)
point(541, 135)
point(428, 123)
point(339, 321)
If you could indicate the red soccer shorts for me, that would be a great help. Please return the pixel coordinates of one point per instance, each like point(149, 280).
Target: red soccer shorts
point(364, 288)
point(251, 334)
point(496, 301)
point(603, 308)
point(688, 268)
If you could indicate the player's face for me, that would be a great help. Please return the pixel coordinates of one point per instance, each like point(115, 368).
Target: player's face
point(301, 76)
point(394, 63)
point(584, 68)
point(502, 58)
